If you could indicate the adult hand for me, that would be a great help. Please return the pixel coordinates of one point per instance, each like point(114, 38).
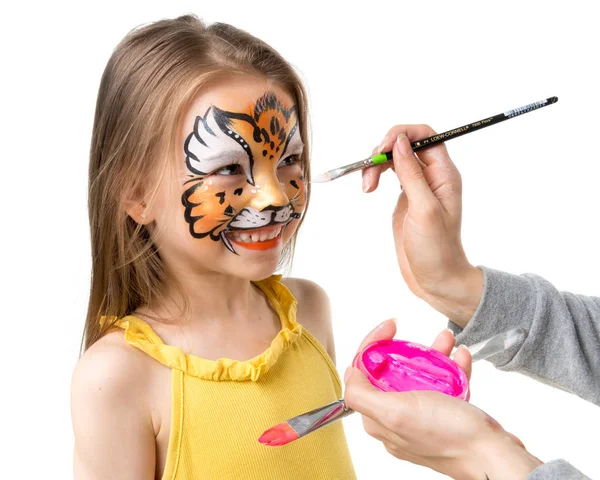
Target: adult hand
point(435, 430)
point(426, 224)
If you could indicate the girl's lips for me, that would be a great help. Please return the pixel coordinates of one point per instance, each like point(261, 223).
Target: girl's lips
point(259, 239)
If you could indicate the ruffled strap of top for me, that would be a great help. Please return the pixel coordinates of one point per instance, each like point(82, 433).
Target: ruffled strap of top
point(140, 335)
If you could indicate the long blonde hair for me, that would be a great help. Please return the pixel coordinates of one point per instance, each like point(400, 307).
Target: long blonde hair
point(151, 77)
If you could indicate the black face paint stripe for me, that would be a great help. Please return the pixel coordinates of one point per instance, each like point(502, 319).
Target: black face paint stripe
point(238, 191)
point(289, 137)
point(205, 123)
point(189, 154)
point(195, 179)
point(294, 184)
point(196, 134)
point(221, 196)
point(269, 102)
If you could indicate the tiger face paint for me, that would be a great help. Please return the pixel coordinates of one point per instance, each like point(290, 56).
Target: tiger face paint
point(245, 181)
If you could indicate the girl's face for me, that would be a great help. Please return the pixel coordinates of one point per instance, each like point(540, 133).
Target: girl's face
point(239, 189)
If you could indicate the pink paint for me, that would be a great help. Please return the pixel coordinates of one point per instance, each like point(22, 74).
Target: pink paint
point(399, 366)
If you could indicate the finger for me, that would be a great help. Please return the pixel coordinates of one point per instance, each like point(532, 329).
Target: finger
point(444, 342)
point(427, 156)
point(445, 182)
point(398, 227)
point(413, 132)
point(384, 331)
point(440, 172)
point(363, 397)
point(374, 428)
point(371, 175)
point(411, 176)
point(464, 360)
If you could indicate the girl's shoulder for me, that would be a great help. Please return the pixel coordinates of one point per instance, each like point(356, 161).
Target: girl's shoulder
point(308, 293)
point(313, 310)
point(111, 370)
point(111, 410)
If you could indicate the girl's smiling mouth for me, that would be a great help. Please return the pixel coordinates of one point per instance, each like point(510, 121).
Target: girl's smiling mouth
point(258, 239)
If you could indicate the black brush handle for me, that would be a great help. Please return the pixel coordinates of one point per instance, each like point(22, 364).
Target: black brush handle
point(472, 127)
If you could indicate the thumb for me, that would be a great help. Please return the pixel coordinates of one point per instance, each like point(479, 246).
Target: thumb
point(384, 331)
point(386, 408)
point(410, 173)
point(360, 395)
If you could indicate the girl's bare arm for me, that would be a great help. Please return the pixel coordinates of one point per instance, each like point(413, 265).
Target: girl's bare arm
point(114, 437)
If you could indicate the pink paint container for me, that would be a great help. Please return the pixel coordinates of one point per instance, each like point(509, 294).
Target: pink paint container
point(399, 366)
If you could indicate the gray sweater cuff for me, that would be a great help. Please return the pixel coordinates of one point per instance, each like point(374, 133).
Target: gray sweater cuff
point(557, 470)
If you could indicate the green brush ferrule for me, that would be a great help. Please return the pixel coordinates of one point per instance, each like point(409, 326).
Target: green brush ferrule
point(379, 158)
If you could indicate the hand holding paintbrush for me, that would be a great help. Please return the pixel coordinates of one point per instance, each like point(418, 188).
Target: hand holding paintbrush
point(437, 431)
point(397, 366)
point(431, 140)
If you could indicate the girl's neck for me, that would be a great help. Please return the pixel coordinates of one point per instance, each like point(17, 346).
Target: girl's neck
point(212, 298)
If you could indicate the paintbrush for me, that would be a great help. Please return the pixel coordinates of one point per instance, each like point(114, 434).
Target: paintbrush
point(433, 140)
point(306, 423)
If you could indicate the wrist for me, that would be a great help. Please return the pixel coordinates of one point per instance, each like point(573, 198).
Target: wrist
point(500, 458)
point(459, 296)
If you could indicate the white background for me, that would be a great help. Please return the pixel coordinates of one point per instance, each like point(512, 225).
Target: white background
point(530, 201)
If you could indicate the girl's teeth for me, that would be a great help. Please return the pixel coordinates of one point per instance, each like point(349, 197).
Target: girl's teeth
point(256, 237)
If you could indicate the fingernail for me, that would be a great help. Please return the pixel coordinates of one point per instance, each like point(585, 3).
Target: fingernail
point(382, 324)
point(448, 330)
point(404, 145)
point(381, 146)
point(366, 182)
point(375, 329)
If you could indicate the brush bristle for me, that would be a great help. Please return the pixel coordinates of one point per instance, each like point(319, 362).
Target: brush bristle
point(281, 434)
point(321, 178)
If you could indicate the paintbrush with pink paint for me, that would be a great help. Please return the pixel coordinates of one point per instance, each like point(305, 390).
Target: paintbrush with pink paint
point(433, 140)
point(396, 366)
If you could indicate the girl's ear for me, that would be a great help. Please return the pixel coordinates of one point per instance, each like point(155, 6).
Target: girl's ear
point(136, 207)
point(138, 211)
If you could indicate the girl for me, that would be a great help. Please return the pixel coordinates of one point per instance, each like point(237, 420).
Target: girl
point(198, 182)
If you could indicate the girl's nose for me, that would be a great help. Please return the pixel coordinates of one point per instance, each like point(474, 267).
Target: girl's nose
point(268, 192)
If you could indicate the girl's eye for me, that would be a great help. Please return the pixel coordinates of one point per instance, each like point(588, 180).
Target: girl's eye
point(291, 160)
point(233, 169)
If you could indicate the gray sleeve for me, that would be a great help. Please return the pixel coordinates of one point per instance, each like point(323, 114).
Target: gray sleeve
point(557, 470)
point(562, 347)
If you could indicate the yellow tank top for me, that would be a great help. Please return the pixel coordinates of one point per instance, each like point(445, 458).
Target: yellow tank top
point(220, 408)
